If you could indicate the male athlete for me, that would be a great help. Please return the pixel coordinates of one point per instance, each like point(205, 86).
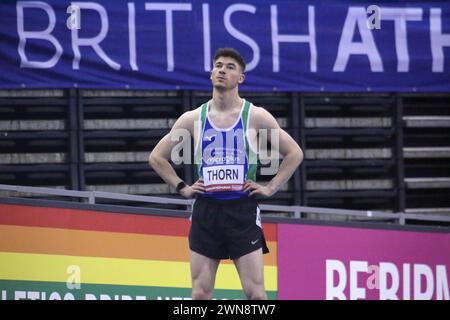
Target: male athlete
point(225, 220)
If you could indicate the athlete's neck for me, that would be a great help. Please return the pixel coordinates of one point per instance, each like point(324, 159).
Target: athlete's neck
point(223, 101)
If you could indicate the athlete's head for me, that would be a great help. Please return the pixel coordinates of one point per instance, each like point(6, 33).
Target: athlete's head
point(228, 69)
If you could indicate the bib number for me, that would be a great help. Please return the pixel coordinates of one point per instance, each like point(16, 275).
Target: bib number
point(223, 178)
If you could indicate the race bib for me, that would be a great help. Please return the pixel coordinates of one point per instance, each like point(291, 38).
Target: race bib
point(223, 177)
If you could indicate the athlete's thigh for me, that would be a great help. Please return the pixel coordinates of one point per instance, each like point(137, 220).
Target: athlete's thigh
point(251, 268)
point(203, 269)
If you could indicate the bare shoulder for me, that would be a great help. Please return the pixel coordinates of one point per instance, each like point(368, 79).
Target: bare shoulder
point(192, 114)
point(259, 111)
point(187, 119)
point(261, 118)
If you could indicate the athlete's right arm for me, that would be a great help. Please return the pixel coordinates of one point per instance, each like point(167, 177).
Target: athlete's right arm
point(160, 155)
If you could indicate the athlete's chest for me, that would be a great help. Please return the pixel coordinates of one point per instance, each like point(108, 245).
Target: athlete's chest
point(223, 120)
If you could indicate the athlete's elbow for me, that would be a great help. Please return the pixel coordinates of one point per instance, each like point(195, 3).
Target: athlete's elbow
point(298, 155)
point(153, 160)
point(294, 156)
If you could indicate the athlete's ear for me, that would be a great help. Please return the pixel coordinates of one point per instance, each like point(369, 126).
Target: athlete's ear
point(241, 78)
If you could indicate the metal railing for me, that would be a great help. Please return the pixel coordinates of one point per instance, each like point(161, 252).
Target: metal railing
point(296, 211)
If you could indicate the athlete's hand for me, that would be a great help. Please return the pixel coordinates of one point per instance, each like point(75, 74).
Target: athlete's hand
point(257, 189)
point(191, 191)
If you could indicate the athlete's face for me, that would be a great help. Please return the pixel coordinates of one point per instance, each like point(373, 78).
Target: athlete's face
point(226, 73)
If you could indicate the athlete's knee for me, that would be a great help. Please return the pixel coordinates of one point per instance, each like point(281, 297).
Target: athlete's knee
point(201, 293)
point(256, 294)
point(254, 290)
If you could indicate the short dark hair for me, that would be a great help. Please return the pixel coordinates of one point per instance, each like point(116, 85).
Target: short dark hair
point(232, 53)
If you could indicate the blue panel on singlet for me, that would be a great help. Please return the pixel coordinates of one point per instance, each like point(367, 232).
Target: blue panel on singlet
point(224, 162)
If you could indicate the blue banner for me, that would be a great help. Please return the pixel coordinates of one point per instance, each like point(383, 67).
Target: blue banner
point(308, 46)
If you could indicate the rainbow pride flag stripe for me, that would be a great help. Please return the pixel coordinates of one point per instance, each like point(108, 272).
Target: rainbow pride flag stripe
point(117, 255)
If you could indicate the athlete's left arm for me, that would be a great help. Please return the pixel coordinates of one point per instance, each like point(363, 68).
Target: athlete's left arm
point(287, 147)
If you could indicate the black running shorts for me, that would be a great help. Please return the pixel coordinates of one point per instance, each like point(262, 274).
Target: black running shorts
point(226, 229)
